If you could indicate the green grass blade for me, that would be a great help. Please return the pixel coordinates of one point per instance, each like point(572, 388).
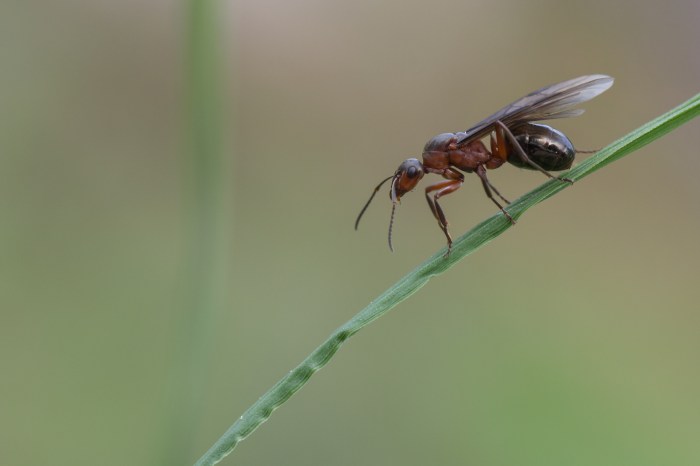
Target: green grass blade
point(487, 230)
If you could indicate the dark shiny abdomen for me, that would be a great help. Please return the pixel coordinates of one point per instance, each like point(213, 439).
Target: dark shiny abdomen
point(544, 145)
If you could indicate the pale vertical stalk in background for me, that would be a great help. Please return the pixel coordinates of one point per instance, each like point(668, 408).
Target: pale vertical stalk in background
point(206, 227)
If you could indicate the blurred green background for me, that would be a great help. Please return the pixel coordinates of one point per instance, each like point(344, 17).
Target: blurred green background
point(150, 295)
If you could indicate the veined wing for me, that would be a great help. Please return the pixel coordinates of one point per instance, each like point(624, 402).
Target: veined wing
point(550, 102)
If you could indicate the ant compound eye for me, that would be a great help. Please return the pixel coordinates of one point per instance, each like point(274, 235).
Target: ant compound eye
point(410, 169)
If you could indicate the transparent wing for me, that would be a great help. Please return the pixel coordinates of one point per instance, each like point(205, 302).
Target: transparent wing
point(550, 102)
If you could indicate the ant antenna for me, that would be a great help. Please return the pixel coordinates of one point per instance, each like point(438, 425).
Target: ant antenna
point(394, 201)
point(357, 222)
point(391, 224)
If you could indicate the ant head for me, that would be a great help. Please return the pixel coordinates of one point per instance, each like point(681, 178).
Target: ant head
point(405, 179)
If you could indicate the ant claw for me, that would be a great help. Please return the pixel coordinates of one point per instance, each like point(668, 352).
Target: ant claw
point(512, 221)
point(565, 180)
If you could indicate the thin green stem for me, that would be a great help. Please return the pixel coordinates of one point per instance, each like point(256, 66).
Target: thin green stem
point(486, 231)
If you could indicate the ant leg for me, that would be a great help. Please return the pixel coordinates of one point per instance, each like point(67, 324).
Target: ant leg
point(497, 152)
point(443, 188)
point(453, 183)
point(481, 172)
point(493, 188)
point(503, 131)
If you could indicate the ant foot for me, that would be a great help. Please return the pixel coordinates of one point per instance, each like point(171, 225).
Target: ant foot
point(512, 221)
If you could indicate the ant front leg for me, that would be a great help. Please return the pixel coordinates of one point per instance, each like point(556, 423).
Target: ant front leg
point(453, 183)
point(501, 148)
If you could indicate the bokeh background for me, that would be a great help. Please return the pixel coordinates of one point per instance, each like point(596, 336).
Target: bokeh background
point(149, 296)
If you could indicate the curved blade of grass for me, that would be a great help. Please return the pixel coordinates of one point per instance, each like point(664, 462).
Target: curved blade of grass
point(481, 234)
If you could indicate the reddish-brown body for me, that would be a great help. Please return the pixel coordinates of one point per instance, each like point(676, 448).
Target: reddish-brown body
point(442, 151)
